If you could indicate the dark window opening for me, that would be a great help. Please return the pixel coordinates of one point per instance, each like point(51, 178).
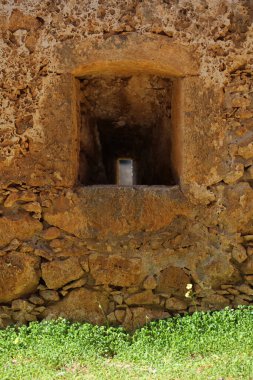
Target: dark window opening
point(125, 136)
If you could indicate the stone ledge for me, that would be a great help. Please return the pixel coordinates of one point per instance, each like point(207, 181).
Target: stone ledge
point(111, 210)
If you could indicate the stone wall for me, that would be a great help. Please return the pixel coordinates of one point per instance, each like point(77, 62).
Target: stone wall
point(125, 255)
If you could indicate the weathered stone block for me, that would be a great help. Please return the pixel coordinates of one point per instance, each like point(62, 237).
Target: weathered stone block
point(150, 282)
point(18, 226)
point(117, 211)
point(246, 289)
point(19, 20)
point(112, 56)
point(19, 275)
point(59, 272)
point(20, 196)
point(216, 270)
point(172, 280)
point(50, 295)
point(216, 300)
point(115, 270)
point(247, 266)
point(175, 304)
point(237, 215)
point(239, 253)
point(51, 233)
point(81, 305)
point(143, 298)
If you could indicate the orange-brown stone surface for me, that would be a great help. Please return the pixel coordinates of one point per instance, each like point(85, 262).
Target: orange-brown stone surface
point(21, 227)
point(120, 211)
point(60, 272)
point(81, 305)
point(173, 279)
point(178, 75)
point(19, 275)
point(115, 270)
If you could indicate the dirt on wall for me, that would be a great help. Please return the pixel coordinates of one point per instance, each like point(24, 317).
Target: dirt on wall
point(125, 254)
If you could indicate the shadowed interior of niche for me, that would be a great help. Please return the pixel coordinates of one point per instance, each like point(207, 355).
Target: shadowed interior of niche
point(125, 117)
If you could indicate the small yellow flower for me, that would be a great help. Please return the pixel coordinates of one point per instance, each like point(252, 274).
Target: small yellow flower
point(188, 294)
point(189, 286)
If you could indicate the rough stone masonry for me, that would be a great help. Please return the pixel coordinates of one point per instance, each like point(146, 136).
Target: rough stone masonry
point(170, 84)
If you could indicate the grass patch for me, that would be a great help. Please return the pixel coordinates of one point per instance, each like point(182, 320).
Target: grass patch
point(217, 345)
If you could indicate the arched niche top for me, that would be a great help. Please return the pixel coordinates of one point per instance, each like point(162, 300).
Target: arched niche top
point(128, 53)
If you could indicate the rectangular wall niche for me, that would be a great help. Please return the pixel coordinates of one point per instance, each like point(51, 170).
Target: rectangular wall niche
point(125, 136)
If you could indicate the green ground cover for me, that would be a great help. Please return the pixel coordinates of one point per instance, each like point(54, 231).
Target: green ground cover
point(217, 345)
